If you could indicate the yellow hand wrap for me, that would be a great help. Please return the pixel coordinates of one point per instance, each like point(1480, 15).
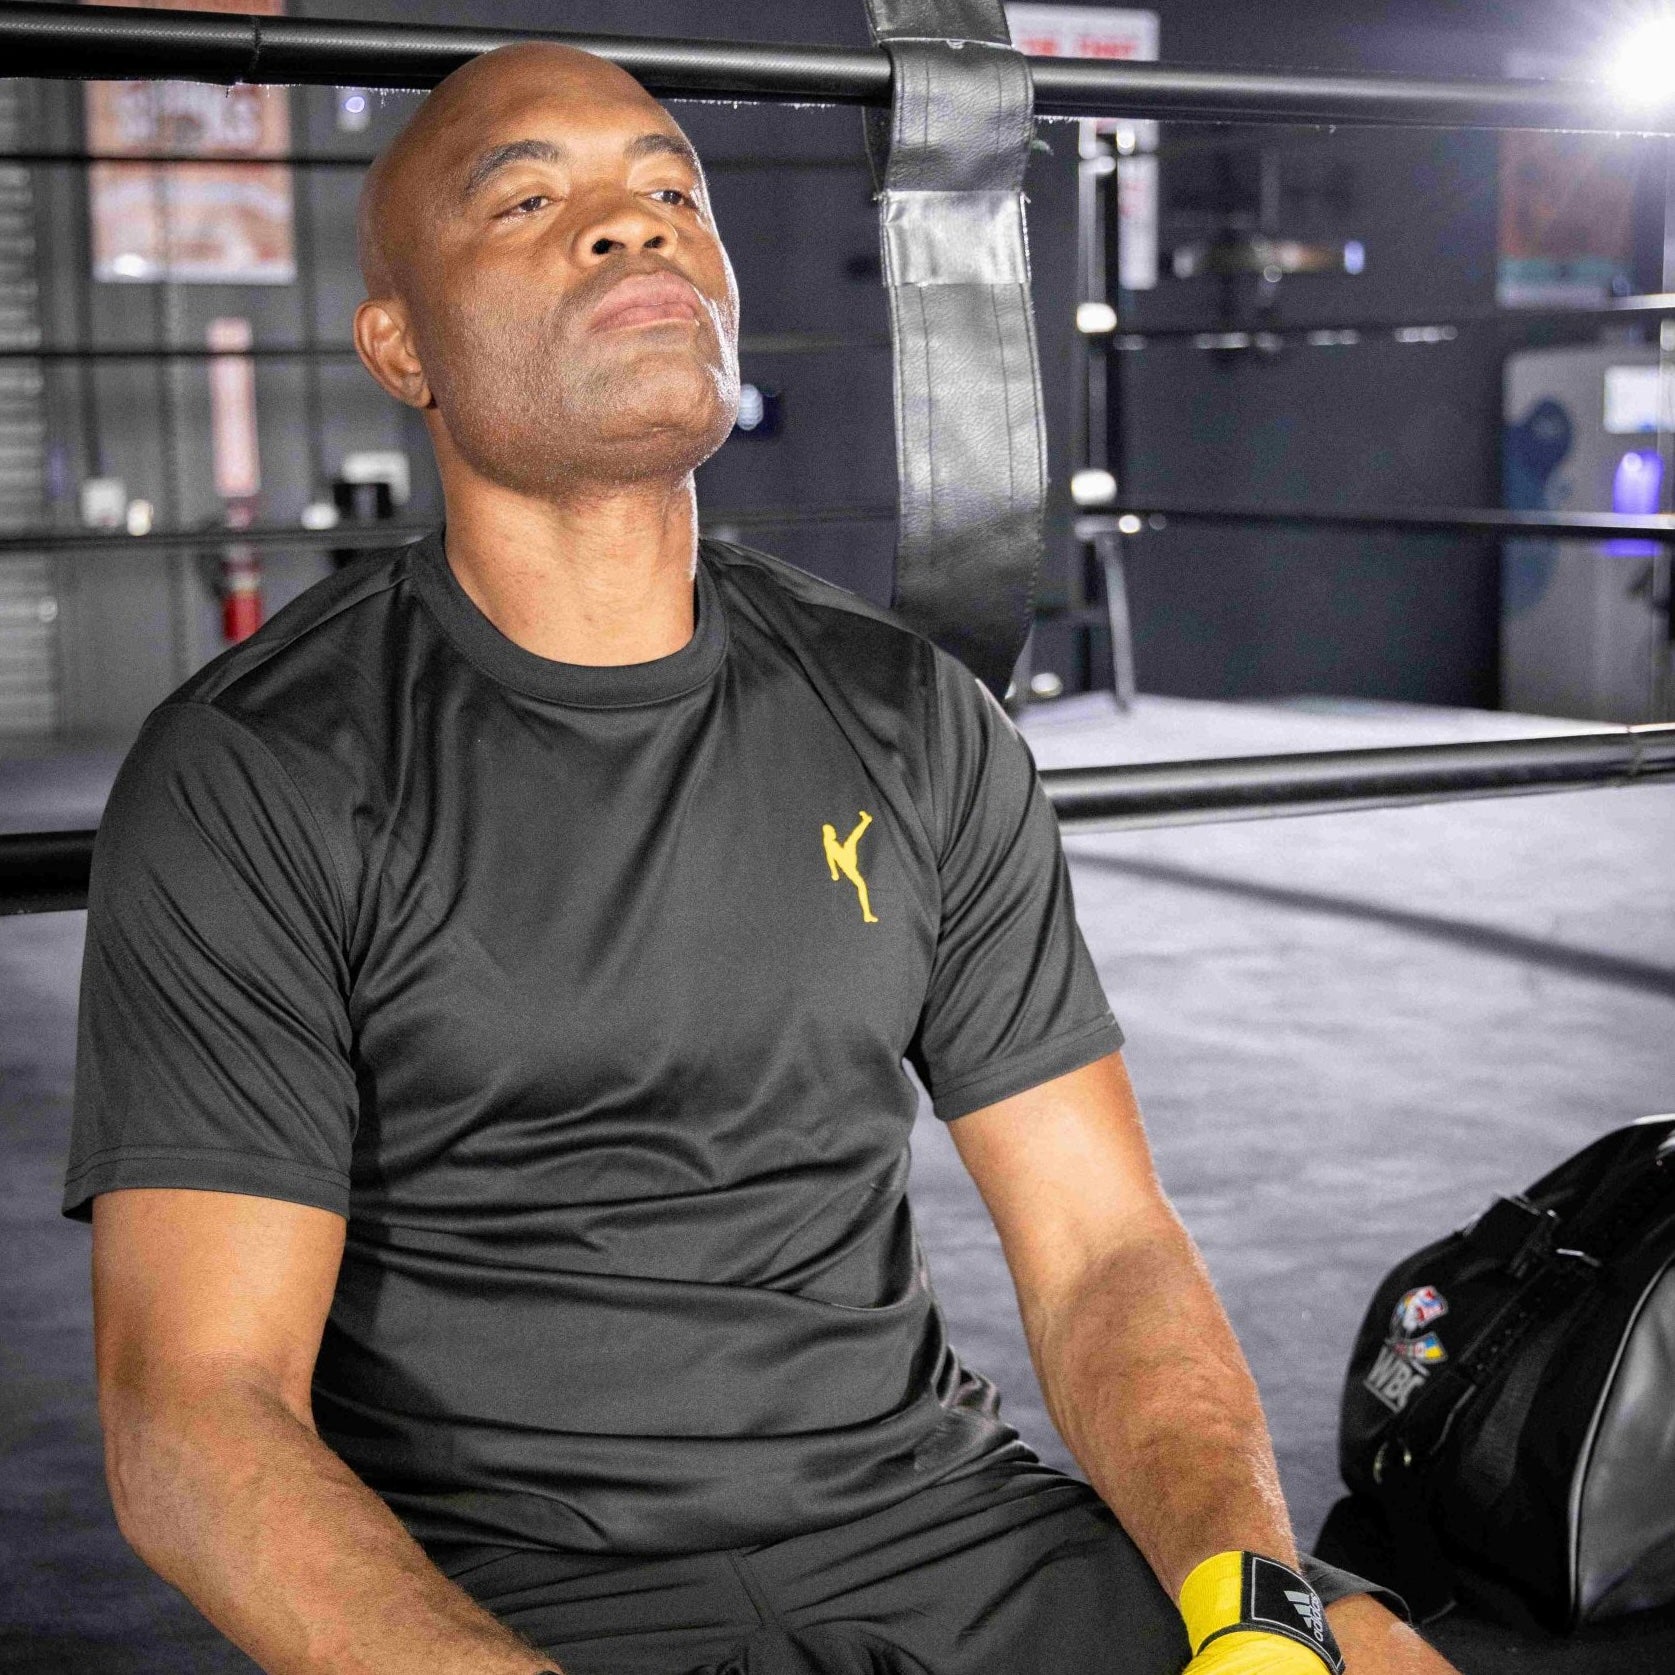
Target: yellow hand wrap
point(1250, 1615)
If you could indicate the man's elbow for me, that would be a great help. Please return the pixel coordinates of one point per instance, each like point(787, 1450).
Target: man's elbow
point(168, 1462)
point(1148, 1245)
point(142, 1467)
point(1127, 1298)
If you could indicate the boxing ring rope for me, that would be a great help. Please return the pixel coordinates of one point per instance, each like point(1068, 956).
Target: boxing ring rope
point(1331, 781)
point(759, 343)
point(46, 872)
point(1565, 526)
point(362, 535)
point(83, 42)
point(350, 160)
point(366, 537)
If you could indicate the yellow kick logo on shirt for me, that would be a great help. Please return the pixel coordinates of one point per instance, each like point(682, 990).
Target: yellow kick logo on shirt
point(840, 857)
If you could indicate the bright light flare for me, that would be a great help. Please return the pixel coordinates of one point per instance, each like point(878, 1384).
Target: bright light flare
point(1642, 69)
point(1093, 487)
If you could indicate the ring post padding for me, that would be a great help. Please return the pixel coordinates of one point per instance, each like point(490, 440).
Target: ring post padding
point(971, 450)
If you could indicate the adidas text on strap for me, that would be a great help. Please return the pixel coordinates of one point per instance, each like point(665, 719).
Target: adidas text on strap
point(1245, 1593)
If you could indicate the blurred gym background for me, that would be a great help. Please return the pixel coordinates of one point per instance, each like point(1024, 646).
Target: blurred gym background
point(1348, 1032)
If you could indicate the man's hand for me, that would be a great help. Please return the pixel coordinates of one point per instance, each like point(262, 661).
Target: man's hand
point(208, 1309)
point(1375, 1641)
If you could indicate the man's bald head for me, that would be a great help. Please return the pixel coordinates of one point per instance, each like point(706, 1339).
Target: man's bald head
point(545, 280)
point(401, 188)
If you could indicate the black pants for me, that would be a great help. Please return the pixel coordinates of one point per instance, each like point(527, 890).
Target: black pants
point(1015, 1571)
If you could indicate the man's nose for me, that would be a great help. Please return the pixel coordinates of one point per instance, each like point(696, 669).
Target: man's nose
point(625, 226)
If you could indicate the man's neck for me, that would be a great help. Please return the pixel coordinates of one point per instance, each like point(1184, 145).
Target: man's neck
point(603, 577)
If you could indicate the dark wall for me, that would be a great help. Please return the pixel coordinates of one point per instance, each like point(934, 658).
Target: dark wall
point(1373, 424)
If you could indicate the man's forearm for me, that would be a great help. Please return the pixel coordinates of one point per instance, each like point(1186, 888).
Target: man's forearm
point(280, 1545)
point(1148, 1387)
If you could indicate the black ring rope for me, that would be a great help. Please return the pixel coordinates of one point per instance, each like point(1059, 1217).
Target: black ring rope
point(81, 42)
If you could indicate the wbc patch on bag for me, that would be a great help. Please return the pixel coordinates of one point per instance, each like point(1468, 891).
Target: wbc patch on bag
point(1409, 1348)
point(1517, 1377)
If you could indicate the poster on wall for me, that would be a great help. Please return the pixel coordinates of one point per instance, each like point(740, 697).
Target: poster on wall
point(1113, 33)
point(1566, 211)
point(197, 223)
point(1085, 32)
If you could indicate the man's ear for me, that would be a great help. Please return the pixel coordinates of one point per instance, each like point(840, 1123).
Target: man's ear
point(386, 350)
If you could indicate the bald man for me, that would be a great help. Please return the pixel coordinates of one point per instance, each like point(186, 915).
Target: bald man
point(493, 1123)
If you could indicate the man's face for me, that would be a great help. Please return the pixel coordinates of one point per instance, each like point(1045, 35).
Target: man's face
point(571, 304)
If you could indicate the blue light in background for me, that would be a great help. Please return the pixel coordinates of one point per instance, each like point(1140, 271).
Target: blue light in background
point(1636, 492)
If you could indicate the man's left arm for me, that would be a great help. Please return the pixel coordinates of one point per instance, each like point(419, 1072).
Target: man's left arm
point(1139, 1366)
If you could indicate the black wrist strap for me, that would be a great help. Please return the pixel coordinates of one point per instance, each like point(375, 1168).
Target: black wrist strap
point(1274, 1599)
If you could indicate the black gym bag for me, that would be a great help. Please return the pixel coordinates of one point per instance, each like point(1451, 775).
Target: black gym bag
point(1508, 1418)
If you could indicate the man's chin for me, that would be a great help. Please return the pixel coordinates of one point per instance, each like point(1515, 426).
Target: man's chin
point(657, 411)
point(550, 461)
point(666, 445)
point(667, 409)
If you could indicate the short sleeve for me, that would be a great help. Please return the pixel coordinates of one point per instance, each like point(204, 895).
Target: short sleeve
point(213, 1045)
point(1014, 999)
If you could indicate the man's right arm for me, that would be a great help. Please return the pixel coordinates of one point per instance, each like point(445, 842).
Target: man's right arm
point(208, 1313)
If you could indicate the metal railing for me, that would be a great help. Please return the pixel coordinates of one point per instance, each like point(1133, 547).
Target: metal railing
point(81, 42)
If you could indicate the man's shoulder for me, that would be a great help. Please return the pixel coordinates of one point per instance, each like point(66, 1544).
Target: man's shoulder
point(808, 607)
point(867, 650)
point(292, 718)
point(308, 694)
point(324, 638)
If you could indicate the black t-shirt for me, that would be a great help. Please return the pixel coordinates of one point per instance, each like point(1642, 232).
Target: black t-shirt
point(583, 993)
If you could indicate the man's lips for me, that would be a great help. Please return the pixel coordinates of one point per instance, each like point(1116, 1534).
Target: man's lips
point(645, 299)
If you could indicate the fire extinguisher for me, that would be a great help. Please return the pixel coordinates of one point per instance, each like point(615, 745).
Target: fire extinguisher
point(241, 594)
point(241, 581)
point(238, 470)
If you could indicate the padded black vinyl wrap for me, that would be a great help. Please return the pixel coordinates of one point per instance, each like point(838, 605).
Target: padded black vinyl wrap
point(560, 983)
point(950, 156)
